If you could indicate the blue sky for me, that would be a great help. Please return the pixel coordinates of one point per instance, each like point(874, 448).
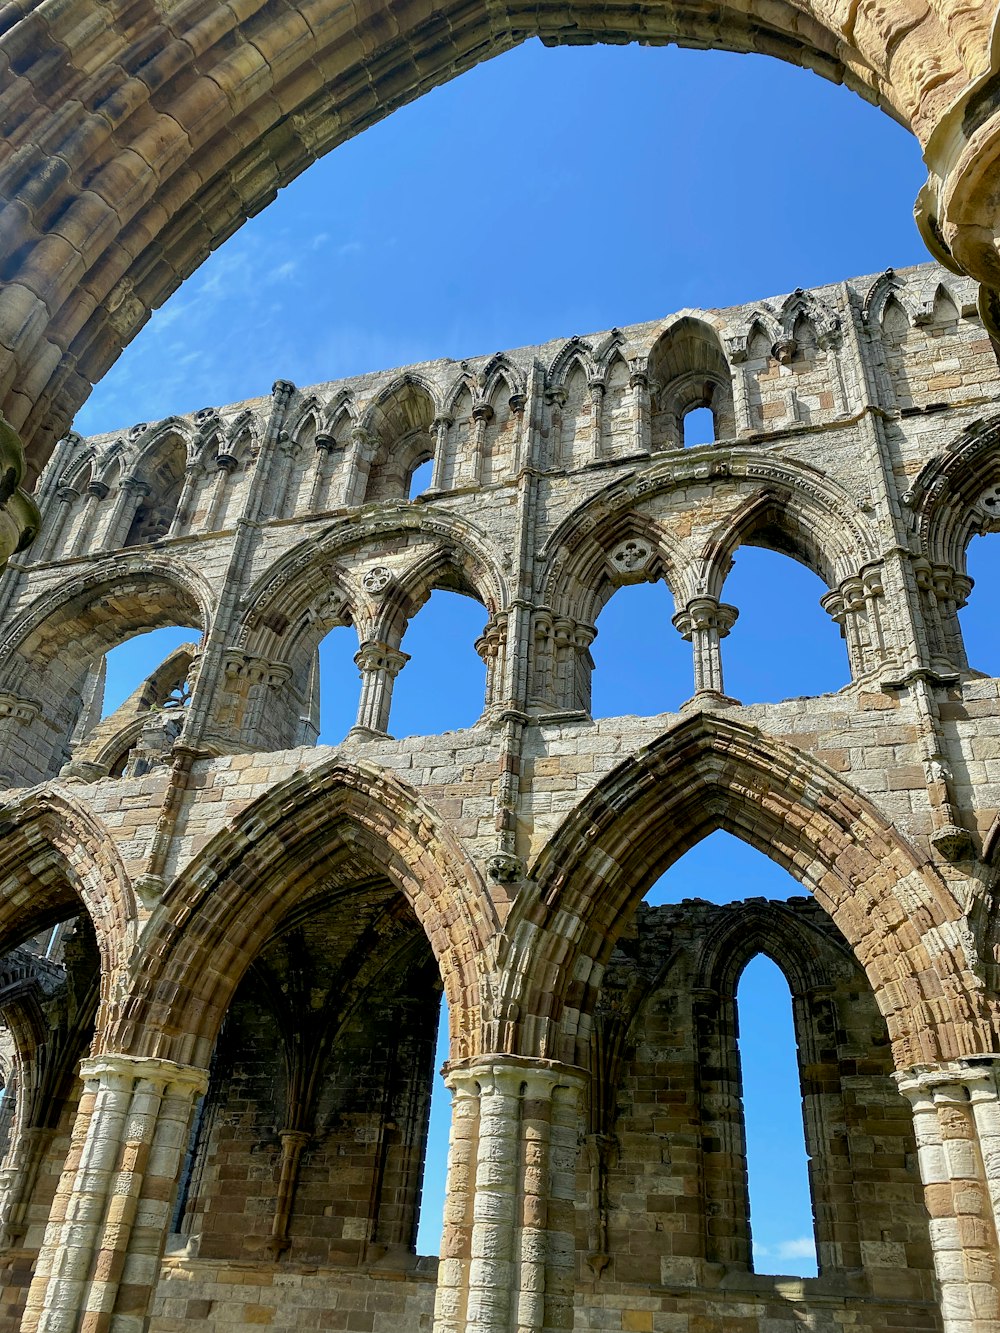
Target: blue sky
point(547, 193)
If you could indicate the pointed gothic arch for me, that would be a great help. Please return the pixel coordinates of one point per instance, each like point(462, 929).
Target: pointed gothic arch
point(895, 911)
point(322, 832)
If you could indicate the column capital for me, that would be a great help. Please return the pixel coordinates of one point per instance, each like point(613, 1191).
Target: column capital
point(510, 1073)
point(162, 1073)
point(374, 655)
point(972, 1072)
point(706, 613)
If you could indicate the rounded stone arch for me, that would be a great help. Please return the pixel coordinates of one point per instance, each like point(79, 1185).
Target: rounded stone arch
point(57, 860)
point(956, 496)
point(449, 566)
point(399, 422)
point(812, 523)
point(131, 582)
point(580, 577)
point(48, 652)
point(898, 916)
point(285, 594)
point(688, 368)
point(331, 830)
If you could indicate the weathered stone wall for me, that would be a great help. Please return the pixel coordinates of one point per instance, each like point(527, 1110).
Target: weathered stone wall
point(273, 918)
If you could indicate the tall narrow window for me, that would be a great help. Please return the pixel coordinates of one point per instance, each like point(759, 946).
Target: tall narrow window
point(338, 685)
point(781, 1219)
point(699, 427)
point(420, 478)
point(980, 628)
point(641, 664)
point(432, 1190)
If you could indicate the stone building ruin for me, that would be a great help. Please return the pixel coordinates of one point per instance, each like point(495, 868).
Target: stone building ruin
point(225, 946)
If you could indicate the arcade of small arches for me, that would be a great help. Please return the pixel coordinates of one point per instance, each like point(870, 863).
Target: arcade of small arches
point(223, 1067)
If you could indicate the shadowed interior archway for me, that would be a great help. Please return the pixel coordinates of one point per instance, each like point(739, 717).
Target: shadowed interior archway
point(55, 862)
point(707, 773)
point(338, 829)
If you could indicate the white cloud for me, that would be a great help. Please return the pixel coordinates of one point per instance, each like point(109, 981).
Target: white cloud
point(803, 1248)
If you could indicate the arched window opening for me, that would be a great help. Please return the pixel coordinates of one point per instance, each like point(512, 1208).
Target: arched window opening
point(129, 665)
point(781, 1217)
point(156, 509)
point(722, 869)
point(432, 1191)
point(337, 707)
point(420, 478)
point(699, 426)
point(978, 618)
point(401, 424)
point(642, 665)
point(784, 645)
point(443, 685)
point(688, 370)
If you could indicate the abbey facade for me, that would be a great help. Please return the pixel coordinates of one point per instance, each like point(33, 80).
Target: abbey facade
point(226, 945)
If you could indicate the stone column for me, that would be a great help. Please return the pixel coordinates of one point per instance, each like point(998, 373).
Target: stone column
point(99, 1262)
point(596, 416)
point(132, 493)
point(378, 665)
point(956, 1116)
point(639, 384)
point(181, 515)
point(482, 415)
point(741, 392)
point(440, 427)
point(491, 646)
point(47, 543)
point(507, 1257)
point(704, 623)
point(96, 492)
point(225, 466)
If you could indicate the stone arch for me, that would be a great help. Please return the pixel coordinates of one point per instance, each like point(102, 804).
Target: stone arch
point(501, 367)
point(957, 495)
point(57, 859)
point(582, 572)
point(152, 207)
point(47, 653)
point(807, 525)
point(768, 928)
point(447, 566)
point(399, 421)
point(320, 832)
point(896, 913)
point(688, 369)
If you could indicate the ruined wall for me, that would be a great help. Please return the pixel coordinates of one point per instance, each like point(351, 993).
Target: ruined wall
point(274, 919)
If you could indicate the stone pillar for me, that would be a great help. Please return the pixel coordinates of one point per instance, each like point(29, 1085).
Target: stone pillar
point(47, 544)
point(741, 393)
point(507, 1256)
point(704, 623)
point(225, 466)
point(378, 665)
point(956, 1116)
point(100, 1259)
point(482, 415)
point(180, 518)
point(596, 417)
point(359, 460)
point(132, 493)
point(96, 492)
point(639, 384)
point(440, 427)
point(491, 647)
